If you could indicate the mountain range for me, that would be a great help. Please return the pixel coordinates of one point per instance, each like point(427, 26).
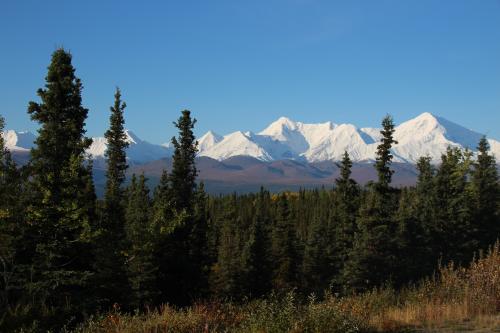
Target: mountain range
point(286, 154)
point(426, 134)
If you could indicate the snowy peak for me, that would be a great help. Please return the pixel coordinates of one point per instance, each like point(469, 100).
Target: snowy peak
point(236, 144)
point(20, 141)
point(138, 151)
point(426, 134)
point(132, 138)
point(208, 140)
point(278, 127)
point(423, 135)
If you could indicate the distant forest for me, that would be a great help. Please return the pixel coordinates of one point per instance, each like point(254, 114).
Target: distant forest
point(65, 255)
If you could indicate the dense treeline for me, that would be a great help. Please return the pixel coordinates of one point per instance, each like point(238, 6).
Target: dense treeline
point(64, 254)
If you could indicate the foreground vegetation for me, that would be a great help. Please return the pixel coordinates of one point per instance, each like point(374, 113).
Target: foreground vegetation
point(456, 299)
point(66, 256)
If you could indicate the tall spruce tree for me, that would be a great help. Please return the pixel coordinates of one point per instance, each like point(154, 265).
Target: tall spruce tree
point(372, 261)
point(256, 251)
point(227, 275)
point(384, 155)
point(284, 248)
point(111, 279)
point(417, 225)
point(140, 265)
point(180, 274)
point(11, 228)
point(453, 208)
point(346, 202)
point(59, 210)
point(486, 193)
point(183, 174)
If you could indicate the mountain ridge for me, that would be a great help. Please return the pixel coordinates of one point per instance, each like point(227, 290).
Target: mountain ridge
point(424, 135)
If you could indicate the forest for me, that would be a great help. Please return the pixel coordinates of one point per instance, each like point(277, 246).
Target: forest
point(68, 257)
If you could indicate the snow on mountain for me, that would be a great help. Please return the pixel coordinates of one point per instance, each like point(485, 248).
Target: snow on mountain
point(139, 151)
point(286, 139)
point(426, 134)
point(209, 140)
point(19, 141)
point(342, 138)
point(235, 144)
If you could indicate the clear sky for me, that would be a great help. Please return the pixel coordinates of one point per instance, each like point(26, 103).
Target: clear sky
point(238, 65)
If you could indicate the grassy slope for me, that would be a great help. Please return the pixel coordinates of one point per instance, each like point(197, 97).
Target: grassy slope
point(456, 300)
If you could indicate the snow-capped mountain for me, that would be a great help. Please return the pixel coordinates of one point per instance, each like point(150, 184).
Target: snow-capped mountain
point(286, 139)
point(426, 134)
point(139, 151)
point(19, 141)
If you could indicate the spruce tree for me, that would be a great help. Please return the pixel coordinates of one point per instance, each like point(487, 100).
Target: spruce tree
point(256, 251)
point(11, 228)
point(317, 259)
point(373, 260)
point(227, 278)
point(111, 280)
point(417, 227)
point(453, 208)
point(384, 155)
point(140, 263)
point(59, 211)
point(180, 271)
point(284, 248)
point(343, 224)
point(486, 193)
point(184, 172)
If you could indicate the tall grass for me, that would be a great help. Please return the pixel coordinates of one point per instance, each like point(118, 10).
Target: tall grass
point(454, 299)
point(455, 295)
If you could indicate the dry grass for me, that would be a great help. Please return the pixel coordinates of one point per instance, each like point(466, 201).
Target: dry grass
point(456, 300)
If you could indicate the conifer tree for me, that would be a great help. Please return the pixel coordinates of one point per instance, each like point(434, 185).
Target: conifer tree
point(59, 212)
point(180, 271)
point(227, 273)
point(384, 156)
point(284, 247)
point(417, 227)
point(162, 204)
point(183, 174)
point(257, 249)
point(316, 262)
point(346, 201)
point(372, 261)
point(486, 192)
point(141, 267)
point(453, 208)
point(110, 277)
point(11, 227)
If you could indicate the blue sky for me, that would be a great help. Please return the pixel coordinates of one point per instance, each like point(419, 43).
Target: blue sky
point(238, 65)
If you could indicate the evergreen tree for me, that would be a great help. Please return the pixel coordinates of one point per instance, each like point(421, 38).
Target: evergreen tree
point(59, 210)
point(180, 272)
point(372, 261)
point(227, 273)
point(284, 247)
point(141, 267)
point(417, 225)
point(384, 156)
point(111, 278)
point(453, 208)
point(346, 201)
point(257, 273)
point(316, 262)
point(486, 193)
point(183, 175)
point(11, 227)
